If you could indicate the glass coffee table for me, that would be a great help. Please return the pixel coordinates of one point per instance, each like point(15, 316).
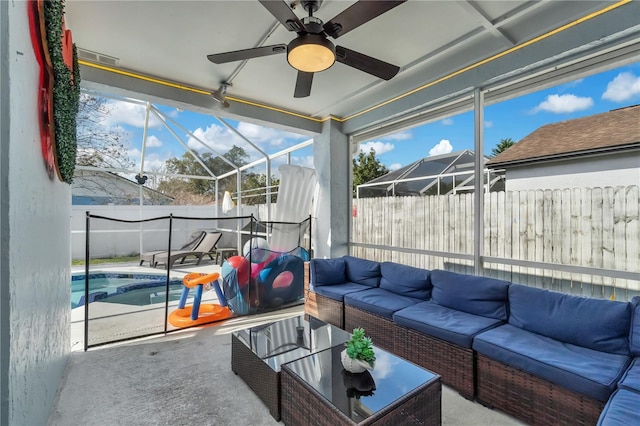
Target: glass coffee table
point(258, 353)
point(396, 391)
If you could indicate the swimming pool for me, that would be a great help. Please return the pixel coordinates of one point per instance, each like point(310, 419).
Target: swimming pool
point(126, 288)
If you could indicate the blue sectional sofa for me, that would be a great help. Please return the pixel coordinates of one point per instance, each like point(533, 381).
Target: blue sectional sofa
point(544, 357)
point(623, 408)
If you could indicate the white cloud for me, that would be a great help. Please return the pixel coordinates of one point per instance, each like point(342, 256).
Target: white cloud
point(394, 166)
point(153, 161)
point(400, 136)
point(153, 142)
point(443, 147)
point(174, 113)
point(447, 122)
point(216, 137)
point(262, 135)
point(379, 147)
point(306, 161)
point(623, 87)
point(127, 113)
point(488, 124)
point(384, 366)
point(564, 104)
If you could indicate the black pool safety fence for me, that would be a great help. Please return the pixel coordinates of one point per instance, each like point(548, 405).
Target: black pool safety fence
point(261, 268)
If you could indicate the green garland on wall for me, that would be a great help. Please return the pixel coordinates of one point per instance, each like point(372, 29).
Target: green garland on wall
point(66, 91)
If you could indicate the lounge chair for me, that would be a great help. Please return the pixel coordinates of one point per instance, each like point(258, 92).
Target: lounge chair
point(206, 247)
point(195, 239)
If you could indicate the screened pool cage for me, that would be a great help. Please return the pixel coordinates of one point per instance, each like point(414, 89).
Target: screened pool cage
point(451, 173)
point(266, 274)
point(186, 137)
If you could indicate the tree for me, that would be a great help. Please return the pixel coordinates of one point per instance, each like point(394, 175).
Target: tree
point(188, 165)
point(503, 145)
point(367, 167)
point(203, 190)
point(257, 181)
point(99, 145)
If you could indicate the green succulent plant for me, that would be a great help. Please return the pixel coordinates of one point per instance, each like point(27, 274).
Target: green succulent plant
point(360, 347)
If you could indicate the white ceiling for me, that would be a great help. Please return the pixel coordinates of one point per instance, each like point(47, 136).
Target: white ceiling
point(169, 40)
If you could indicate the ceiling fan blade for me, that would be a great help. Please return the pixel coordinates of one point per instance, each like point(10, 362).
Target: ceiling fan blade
point(240, 55)
point(358, 14)
point(373, 66)
point(303, 84)
point(284, 14)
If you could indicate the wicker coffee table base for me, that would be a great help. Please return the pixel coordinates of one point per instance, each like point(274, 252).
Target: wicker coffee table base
point(264, 381)
point(303, 405)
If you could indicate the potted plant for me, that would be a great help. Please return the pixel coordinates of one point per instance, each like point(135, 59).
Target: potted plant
point(359, 355)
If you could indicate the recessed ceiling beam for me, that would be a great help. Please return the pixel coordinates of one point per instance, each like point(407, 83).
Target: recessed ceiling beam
point(117, 82)
point(474, 10)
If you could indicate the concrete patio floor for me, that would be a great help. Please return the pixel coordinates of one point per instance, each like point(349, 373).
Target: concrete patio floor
point(185, 378)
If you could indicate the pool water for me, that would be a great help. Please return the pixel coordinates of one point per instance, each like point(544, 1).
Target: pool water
point(125, 288)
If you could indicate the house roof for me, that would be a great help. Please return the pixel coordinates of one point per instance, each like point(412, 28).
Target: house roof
point(418, 177)
point(110, 188)
point(613, 130)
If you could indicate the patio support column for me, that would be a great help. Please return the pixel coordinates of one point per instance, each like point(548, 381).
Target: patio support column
point(332, 160)
point(478, 188)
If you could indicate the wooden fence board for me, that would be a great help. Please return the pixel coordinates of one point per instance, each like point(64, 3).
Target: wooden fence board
point(591, 227)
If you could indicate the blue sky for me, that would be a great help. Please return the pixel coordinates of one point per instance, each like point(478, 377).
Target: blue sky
point(513, 119)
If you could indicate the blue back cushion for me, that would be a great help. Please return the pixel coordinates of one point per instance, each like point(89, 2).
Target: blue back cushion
point(362, 271)
point(406, 280)
point(327, 271)
point(476, 295)
point(634, 333)
point(601, 325)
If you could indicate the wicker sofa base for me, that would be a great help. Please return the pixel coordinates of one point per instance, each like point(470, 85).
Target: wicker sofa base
point(303, 405)
point(453, 363)
point(324, 308)
point(530, 398)
point(378, 328)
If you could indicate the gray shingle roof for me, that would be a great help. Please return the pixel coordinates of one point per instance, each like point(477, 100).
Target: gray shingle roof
point(615, 129)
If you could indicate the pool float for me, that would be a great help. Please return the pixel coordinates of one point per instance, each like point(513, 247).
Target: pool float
point(198, 314)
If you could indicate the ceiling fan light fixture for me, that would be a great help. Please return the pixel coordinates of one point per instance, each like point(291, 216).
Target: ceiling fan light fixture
point(311, 53)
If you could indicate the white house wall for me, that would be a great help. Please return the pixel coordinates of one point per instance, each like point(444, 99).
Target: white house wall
point(36, 257)
point(612, 170)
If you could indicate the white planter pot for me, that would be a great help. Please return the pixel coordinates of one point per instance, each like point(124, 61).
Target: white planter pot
point(353, 365)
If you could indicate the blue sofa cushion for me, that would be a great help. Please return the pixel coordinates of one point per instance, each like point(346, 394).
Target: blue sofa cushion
point(406, 280)
point(362, 271)
point(634, 333)
point(337, 292)
point(580, 369)
point(631, 378)
point(470, 293)
point(447, 324)
point(601, 325)
point(327, 271)
point(621, 409)
point(379, 301)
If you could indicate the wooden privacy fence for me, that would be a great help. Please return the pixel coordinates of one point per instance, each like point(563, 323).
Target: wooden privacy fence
point(589, 227)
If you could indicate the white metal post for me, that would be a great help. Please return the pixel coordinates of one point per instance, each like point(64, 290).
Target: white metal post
point(478, 222)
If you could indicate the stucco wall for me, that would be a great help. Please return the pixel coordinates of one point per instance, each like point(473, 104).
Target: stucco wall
point(38, 251)
point(593, 172)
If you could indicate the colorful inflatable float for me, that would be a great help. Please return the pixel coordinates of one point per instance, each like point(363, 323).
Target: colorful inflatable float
point(199, 313)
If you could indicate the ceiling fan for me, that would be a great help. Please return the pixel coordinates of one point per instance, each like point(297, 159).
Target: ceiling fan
point(311, 51)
